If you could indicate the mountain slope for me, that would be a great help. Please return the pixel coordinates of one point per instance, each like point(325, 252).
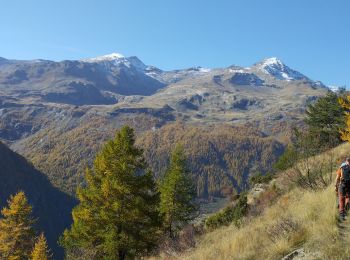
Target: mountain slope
point(58, 114)
point(107, 77)
point(296, 219)
point(216, 153)
point(60, 81)
point(275, 68)
point(220, 157)
point(51, 206)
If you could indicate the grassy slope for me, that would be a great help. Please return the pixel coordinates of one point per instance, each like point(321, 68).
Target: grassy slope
point(299, 218)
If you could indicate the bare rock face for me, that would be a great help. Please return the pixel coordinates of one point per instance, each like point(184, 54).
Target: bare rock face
point(79, 93)
point(246, 79)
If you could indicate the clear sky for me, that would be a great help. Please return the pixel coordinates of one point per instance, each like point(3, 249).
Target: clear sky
point(311, 36)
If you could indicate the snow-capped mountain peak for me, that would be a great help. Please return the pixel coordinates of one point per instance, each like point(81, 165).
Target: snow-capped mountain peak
point(276, 68)
point(273, 61)
point(334, 88)
point(117, 59)
point(108, 57)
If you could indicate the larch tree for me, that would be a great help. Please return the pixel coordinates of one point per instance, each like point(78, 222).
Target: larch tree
point(177, 204)
point(41, 250)
point(345, 133)
point(118, 211)
point(17, 234)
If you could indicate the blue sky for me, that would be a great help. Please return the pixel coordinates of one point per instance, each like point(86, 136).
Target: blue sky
point(312, 36)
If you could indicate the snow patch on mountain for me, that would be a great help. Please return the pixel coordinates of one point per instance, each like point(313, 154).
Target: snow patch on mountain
point(333, 88)
point(205, 70)
point(118, 59)
point(272, 62)
point(108, 57)
point(236, 70)
point(196, 69)
point(276, 68)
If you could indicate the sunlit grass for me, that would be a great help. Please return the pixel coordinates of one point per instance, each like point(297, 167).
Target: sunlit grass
point(299, 218)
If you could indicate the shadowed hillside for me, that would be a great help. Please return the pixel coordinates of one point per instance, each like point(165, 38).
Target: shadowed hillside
point(51, 206)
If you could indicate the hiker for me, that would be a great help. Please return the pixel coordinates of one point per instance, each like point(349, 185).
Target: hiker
point(343, 187)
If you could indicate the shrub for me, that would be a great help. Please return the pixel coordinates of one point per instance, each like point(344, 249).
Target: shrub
point(303, 166)
point(231, 214)
point(184, 240)
point(266, 199)
point(260, 178)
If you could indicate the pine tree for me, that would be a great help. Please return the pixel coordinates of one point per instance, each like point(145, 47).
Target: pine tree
point(177, 193)
point(325, 119)
point(16, 231)
point(41, 250)
point(118, 215)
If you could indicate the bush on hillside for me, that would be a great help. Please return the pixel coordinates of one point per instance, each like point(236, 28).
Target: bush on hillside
point(286, 160)
point(303, 167)
point(265, 200)
point(260, 178)
point(183, 241)
point(231, 214)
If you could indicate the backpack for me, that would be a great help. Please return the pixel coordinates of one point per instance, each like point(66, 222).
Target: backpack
point(345, 173)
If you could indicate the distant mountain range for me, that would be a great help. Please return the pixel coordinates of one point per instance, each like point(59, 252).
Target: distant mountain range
point(102, 79)
point(57, 114)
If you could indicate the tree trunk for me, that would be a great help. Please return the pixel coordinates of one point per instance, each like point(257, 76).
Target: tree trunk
point(122, 255)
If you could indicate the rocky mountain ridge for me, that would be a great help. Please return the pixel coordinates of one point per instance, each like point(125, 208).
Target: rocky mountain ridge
point(57, 114)
point(108, 76)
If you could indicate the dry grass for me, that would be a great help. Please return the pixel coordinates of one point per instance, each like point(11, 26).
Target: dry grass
point(299, 218)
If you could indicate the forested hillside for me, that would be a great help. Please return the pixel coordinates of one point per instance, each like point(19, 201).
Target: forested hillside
point(220, 157)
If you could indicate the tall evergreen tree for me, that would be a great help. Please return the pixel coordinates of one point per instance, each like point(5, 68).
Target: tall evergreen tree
point(41, 250)
point(177, 193)
point(16, 229)
point(345, 103)
point(118, 215)
point(325, 119)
